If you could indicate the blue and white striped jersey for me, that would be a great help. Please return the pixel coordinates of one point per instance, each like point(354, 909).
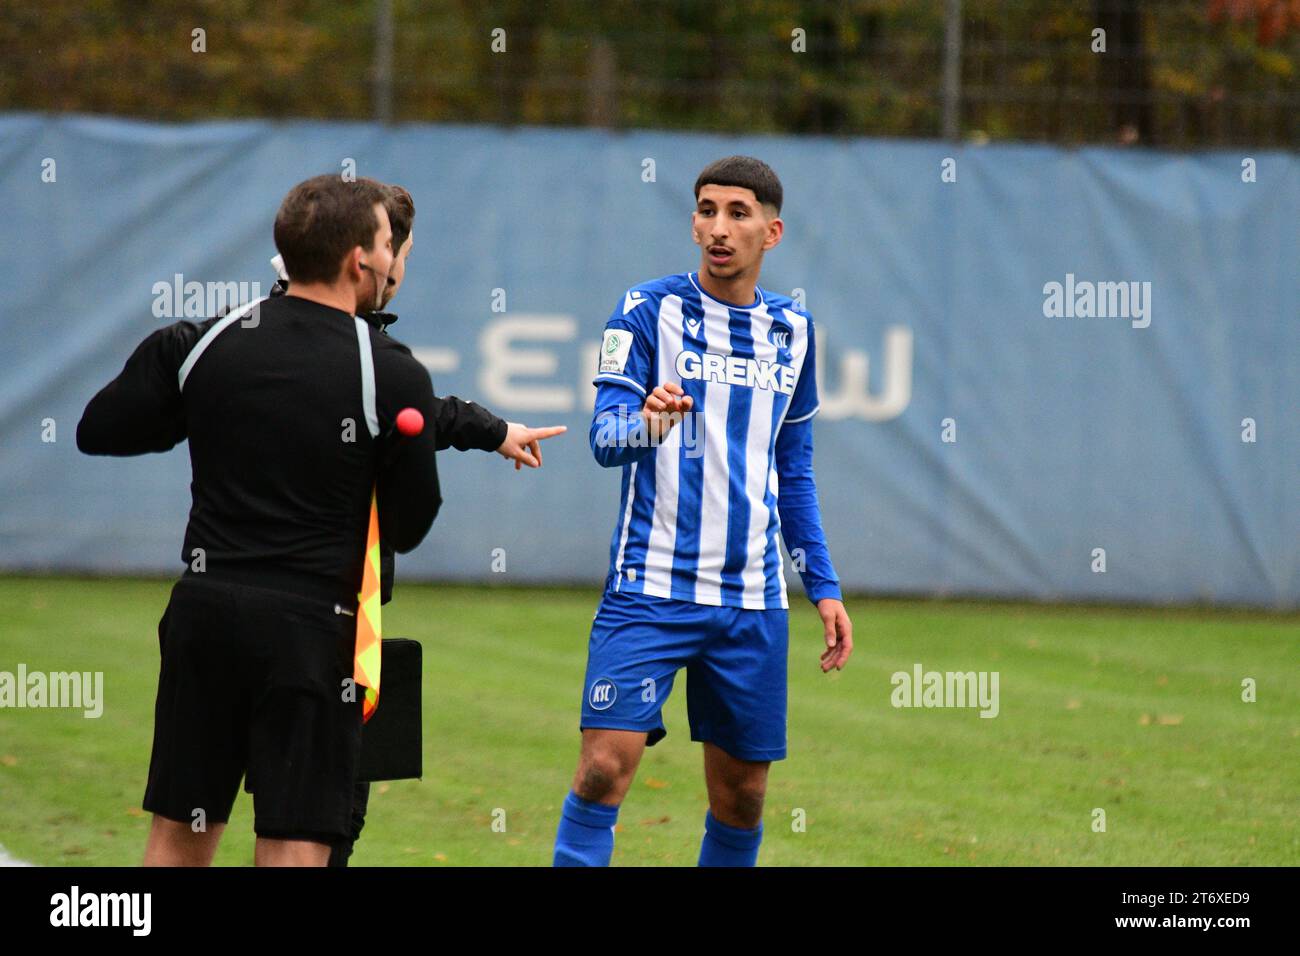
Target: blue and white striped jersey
point(698, 518)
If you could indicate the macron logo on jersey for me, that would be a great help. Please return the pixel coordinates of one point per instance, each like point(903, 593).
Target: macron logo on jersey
point(632, 300)
point(735, 370)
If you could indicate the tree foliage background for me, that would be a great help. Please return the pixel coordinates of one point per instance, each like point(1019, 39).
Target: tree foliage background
point(1175, 73)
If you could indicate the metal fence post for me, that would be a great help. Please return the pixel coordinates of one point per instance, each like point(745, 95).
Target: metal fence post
point(383, 71)
point(952, 71)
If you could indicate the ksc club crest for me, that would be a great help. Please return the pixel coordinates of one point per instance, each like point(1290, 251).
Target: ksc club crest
point(602, 695)
point(779, 336)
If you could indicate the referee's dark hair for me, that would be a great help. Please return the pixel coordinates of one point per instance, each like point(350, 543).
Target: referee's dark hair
point(747, 173)
point(401, 213)
point(321, 220)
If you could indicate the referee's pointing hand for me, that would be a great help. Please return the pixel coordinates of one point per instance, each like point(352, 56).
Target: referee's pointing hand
point(521, 443)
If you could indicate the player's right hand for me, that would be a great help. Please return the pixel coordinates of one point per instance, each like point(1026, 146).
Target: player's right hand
point(664, 408)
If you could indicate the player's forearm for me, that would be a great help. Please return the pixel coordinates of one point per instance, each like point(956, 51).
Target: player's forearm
point(618, 432)
point(801, 529)
point(619, 437)
point(800, 513)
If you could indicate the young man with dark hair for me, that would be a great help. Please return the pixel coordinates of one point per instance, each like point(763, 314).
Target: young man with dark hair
point(706, 391)
point(258, 638)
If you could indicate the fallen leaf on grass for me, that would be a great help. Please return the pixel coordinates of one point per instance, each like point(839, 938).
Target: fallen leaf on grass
point(1164, 720)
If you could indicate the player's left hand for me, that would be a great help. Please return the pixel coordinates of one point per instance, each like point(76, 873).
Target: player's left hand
point(839, 634)
point(521, 443)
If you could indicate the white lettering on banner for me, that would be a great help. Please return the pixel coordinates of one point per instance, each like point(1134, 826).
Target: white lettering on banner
point(852, 397)
point(515, 347)
point(502, 363)
point(437, 360)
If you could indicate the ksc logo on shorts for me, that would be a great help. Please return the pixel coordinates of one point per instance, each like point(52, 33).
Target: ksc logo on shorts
point(603, 694)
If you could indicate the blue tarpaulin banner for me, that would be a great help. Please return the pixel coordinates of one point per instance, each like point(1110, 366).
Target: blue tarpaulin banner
point(1045, 373)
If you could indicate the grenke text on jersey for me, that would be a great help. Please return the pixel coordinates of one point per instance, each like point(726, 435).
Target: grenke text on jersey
point(735, 370)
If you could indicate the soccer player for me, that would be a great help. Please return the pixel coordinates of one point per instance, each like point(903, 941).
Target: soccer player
point(706, 391)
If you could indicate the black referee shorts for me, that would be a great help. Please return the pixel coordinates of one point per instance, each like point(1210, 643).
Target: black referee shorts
point(252, 686)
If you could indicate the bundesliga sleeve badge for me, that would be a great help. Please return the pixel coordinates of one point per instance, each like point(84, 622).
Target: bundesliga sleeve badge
point(615, 349)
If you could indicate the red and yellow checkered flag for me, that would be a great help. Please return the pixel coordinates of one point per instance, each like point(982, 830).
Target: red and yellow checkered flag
point(367, 659)
point(368, 656)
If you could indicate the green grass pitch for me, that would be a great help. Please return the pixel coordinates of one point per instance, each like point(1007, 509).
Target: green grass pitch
point(1136, 712)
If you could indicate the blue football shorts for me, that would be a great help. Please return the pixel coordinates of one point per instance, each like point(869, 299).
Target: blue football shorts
point(735, 660)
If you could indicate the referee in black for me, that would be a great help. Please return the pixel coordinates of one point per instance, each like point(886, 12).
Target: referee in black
point(289, 409)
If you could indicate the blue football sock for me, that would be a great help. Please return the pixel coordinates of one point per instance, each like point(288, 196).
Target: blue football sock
point(586, 834)
point(729, 846)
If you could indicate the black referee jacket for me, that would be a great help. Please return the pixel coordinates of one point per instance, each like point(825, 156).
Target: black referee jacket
point(289, 413)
